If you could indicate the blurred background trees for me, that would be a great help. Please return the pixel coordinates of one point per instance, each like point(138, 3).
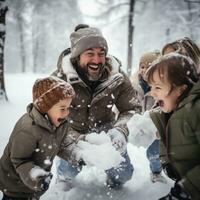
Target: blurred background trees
point(3, 11)
point(37, 31)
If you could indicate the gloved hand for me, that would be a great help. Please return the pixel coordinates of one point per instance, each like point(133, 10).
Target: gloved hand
point(177, 192)
point(118, 140)
point(170, 171)
point(44, 181)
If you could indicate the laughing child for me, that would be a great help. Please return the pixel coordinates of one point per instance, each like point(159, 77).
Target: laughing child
point(36, 139)
point(175, 86)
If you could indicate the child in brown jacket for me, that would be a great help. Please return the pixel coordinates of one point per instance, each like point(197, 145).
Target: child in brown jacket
point(36, 139)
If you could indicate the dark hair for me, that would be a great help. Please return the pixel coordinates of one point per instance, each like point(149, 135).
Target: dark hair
point(176, 68)
point(79, 26)
point(186, 47)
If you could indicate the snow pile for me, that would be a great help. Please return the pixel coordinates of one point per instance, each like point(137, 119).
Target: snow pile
point(90, 176)
point(37, 172)
point(98, 151)
point(142, 130)
point(90, 181)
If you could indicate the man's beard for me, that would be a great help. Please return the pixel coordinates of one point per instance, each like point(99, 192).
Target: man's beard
point(88, 71)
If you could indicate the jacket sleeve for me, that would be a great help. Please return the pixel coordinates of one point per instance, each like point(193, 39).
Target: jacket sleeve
point(127, 104)
point(21, 158)
point(158, 119)
point(69, 148)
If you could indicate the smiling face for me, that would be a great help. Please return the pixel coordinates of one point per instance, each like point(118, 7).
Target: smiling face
point(142, 69)
point(92, 62)
point(164, 93)
point(59, 111)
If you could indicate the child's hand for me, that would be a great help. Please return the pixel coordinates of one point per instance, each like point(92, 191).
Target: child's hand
point(177, 192)
point(41, 178)
point(44, 181)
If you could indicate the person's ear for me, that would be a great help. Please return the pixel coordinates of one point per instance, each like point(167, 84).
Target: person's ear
point(182, 88)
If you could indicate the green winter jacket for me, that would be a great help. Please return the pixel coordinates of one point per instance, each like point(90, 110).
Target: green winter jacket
point(110, 105)
point(33, 142)
point(180, 136)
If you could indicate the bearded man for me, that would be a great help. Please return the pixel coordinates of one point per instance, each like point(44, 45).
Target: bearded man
point(105, 100)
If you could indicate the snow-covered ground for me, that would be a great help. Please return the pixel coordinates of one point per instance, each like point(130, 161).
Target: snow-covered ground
point(90, 182)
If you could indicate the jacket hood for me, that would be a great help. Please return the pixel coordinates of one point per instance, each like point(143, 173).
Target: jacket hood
point(72, 75)
point(40, 119)
point(135, 81)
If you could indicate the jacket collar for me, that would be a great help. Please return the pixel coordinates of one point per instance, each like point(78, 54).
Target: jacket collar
point(72, 75)
point(40, 119)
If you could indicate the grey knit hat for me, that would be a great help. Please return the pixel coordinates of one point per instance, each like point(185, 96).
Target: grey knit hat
point(85, 37)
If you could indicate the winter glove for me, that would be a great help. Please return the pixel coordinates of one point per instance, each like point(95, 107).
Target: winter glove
point(170, 171)
point(75, 157)
point(177, 193)
point(40, 178)
point(118, 140)
point(44, 181)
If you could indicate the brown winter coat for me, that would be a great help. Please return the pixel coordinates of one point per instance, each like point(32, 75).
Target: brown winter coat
point(33, 141)
point(111, 105)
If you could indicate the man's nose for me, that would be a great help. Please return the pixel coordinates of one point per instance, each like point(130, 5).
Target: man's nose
point(96, 59)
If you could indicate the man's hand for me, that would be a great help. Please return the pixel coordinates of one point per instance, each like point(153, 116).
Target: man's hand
point(118, 140)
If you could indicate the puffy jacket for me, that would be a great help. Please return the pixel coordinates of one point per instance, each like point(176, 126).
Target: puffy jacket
point(33, 142)
point(111, 104)
point(180, 135)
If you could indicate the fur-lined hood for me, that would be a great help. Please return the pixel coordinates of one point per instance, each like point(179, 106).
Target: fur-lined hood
point(72, 75)
point(135, 83)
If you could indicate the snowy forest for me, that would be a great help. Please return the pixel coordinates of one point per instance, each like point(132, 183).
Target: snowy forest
point(33, 33)
point(37, 31)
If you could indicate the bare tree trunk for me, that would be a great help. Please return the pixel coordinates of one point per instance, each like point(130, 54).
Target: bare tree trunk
point(190, 5)
point(130, 37)
point(3, 10)
point(167, 34)
point(35, 48)
point(22, 43)
point(38, 49)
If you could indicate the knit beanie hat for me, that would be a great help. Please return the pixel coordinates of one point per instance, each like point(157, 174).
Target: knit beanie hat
point(85, 37)
point(149, 57)
point(49, 91)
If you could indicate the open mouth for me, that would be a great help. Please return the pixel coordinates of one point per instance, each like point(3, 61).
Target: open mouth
point(160, 103)
point(60, 120)
point(93, 67)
